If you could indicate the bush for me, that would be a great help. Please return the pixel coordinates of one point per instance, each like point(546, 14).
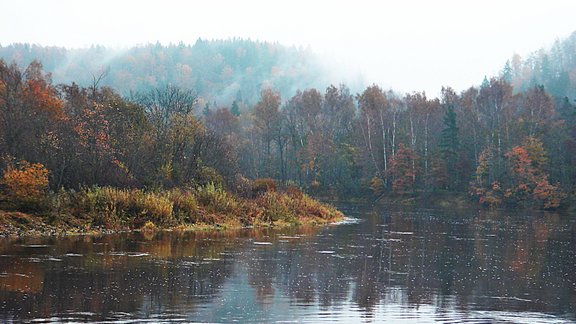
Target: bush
point(243, 186)
point(216, 200)
point(185, 205)
point(262, 185)
point(27, 184)
point(276, 207)
point(294, 191)
point(206, 175)
point(377, 186)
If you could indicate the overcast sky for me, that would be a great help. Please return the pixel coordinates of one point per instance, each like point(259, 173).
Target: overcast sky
point(408, 45)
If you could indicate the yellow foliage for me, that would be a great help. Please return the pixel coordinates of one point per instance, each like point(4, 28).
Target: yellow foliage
point(377, 185)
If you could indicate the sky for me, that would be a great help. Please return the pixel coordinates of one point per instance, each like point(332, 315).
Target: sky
point(407, 45)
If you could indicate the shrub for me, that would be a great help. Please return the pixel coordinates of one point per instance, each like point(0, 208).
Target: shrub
point(27, 184)
point(215, 199)
point(377, 186)
point(262, 185)
point(276, 207)
point(155, 207)
point(294, 191)
point(185, 206)
point(149, 226)
point(243, 186)
point(206, 175)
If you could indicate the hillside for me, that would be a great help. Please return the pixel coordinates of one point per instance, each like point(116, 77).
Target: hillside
point(554, 68)
point(220, 71)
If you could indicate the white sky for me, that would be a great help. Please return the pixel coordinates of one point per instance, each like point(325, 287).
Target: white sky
point(408, 45)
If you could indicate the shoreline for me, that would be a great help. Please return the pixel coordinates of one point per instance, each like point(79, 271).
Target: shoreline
point(41, 229)
point(117, 211)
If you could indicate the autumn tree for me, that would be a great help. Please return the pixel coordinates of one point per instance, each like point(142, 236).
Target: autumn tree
point(530, 182)
point(170, 112)
point(161, 104)
point(485, 185)
point(268, 124)
point(374, 106)
point(402, 170)
point(223, 122)
point(495, 104)
point(31, 111)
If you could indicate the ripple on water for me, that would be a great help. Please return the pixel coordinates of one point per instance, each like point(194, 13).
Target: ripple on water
point(262, 243)
point(348, 221)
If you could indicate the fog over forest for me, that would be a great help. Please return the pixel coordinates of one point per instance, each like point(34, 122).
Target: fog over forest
point(220, 71)
point(408, 46)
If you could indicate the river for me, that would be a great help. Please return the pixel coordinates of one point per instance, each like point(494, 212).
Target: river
point(397, 265)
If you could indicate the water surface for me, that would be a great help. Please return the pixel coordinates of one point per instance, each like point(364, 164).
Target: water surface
point(394, 265)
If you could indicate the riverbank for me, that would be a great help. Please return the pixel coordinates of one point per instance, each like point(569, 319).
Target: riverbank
point(106, 210)
point(439, 200)
point(445, 200)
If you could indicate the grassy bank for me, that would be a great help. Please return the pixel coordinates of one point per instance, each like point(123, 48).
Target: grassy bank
point(104, 209)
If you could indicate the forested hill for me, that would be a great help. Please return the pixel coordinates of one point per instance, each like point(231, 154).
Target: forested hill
point(219, 71)
point(554, 68)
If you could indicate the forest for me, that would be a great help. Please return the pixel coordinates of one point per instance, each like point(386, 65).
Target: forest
point(219, 71)
point(509, 142)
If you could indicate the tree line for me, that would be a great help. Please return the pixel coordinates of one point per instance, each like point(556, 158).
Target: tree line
point(500, 146)
point(503, 147)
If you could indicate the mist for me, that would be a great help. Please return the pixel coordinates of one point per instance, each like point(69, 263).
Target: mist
point(409, 45)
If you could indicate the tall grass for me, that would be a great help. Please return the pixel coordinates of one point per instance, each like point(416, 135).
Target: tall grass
point(113, 208)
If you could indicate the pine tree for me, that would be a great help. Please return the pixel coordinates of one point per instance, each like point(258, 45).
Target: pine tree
point(450, 144)
point(235, 110)
point(507, 72)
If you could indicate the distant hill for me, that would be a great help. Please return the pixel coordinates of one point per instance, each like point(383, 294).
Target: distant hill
point(219, 70)
point(554, 68)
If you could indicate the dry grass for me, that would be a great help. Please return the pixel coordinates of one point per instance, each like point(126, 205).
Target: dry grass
point(209, 205)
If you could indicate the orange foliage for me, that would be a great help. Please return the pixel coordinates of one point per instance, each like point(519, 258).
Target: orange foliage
point(492, 197)
point(527, 184)
point(527, 163)
point(402, 169)
point(43, 98)
point(27, 182)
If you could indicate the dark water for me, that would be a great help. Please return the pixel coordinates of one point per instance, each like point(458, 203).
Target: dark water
point(390, 266)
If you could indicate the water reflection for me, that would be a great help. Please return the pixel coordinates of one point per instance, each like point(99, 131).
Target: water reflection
point(395, 265)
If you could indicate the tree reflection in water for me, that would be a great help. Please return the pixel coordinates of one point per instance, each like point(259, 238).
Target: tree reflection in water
point(392, 264)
